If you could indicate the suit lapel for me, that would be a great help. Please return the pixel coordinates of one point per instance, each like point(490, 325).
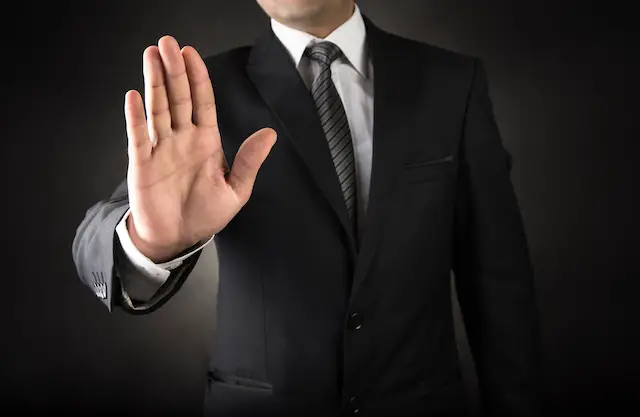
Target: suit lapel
point(396, 94)
point(277, 80)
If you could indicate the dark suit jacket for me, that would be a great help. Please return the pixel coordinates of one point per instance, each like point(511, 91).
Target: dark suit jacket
point(308, 324)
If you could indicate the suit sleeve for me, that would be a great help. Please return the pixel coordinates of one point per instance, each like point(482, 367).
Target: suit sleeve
point(102, 264)
point(492, 267)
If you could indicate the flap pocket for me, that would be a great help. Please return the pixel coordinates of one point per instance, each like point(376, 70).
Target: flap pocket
point(219, 377)
point(426, 170)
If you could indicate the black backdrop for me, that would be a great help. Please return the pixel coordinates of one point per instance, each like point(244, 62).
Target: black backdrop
point(564, 79)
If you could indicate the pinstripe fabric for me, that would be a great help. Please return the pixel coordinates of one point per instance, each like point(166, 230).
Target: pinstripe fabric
point(334, 122)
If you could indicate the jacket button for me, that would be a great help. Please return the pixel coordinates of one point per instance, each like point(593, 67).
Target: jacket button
point(355, 321)
point(353, 406)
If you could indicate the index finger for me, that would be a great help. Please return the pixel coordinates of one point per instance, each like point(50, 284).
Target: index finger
point(204, 107)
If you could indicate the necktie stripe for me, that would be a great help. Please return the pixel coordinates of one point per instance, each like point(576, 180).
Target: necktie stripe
point(339, 147)
point(321, 56)
point(336, 125)
point(349, 191)
point(328, 99)
point(342, 159)
point(350, 195)
point(341, 136)
point(350, 199)
point(322, 76)
point(344, 163)
point(335, 119)
point(345, 168)
point(325, 88)
point(330, 104)
point(337, 137)
point(334, 122)
point(346, 176)
point(322, 102)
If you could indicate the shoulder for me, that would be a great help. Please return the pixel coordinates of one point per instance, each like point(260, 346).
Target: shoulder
point(227, 69)
point(230, 60)
point(423, 53)
point(443, 68)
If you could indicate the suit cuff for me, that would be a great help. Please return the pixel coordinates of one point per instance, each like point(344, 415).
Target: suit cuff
point(158, 272)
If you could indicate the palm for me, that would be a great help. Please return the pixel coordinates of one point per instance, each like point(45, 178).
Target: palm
point(183, 201)
point(178, 191)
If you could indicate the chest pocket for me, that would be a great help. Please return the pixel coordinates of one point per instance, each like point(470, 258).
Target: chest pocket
point(428, 170)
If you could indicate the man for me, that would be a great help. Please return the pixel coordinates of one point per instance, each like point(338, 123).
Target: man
point(372, 168)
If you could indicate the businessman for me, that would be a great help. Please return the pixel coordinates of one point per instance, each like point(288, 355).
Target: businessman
point(344, 173)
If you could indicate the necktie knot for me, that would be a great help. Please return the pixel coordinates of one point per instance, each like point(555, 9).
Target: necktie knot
point(324, 52)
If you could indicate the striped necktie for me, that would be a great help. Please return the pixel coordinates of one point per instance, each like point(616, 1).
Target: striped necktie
point(334, 123)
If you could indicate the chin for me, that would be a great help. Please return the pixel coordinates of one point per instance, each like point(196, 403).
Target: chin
point(292, 11)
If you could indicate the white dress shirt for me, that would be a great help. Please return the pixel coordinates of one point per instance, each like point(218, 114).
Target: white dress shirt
point(353, 77)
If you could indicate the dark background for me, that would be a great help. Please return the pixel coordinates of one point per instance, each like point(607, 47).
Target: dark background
point(564, 79)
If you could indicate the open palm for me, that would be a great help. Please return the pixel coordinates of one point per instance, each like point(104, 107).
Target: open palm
point(180, 188)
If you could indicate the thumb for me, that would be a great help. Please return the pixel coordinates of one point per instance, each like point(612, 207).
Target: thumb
point(248, 160)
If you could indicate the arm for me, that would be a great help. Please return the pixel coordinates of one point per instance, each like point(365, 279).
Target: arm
point(103, 266)
point(179, 187)
point(493, 271)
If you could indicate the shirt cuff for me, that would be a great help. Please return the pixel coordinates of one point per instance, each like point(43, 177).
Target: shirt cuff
point(145, 265)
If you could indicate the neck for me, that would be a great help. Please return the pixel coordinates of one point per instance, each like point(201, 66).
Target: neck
point(322, 29)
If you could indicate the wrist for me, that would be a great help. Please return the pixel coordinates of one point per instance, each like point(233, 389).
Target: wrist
point(155, 253)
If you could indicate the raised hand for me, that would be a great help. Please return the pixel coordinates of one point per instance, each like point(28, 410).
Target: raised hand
point(180, 188)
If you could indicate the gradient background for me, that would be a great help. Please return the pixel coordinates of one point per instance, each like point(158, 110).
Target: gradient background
point(564, 80)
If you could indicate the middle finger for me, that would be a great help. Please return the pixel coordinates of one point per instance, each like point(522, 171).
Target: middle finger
point(177, 83)
point(155, 96)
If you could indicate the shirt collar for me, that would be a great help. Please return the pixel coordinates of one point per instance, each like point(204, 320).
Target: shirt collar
point(350, 37)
